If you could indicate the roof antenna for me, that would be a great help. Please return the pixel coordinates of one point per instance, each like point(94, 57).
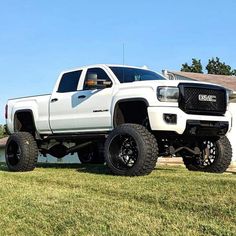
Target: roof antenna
point(123, 54)
point(123, 63)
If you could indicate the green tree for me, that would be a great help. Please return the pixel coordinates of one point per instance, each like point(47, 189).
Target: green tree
point(186, 68)
point(233, 72)
point(3, 131)
point(196, 66)
point(216, 67)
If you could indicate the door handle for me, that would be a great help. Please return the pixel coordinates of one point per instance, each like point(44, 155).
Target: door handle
point(81, 96)
point(54, 100)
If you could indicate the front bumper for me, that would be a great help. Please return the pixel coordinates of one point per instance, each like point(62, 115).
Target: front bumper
point(186, 123)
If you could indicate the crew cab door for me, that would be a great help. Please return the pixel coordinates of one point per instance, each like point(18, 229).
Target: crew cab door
point(84, 108)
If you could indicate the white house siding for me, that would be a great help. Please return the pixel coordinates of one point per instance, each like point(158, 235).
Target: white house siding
point(232, 134)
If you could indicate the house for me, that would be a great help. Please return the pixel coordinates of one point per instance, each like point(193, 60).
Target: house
point(226, 81)
point(229, 82)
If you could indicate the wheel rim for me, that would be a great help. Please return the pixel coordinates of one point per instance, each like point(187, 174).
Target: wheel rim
point(208, 155)
point(123, 152)
point(13, 153)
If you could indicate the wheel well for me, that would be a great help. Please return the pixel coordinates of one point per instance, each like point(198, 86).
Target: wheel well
point(24, 122)
point(134, 111)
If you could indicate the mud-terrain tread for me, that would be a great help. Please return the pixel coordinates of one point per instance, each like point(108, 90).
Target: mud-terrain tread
point(150, 146)
point(29, 150)
point(220, 164)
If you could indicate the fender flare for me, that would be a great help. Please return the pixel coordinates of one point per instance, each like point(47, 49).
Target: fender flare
point(22, 111)
point(126, 100)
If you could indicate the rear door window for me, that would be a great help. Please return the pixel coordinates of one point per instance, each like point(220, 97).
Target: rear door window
point(69, 82)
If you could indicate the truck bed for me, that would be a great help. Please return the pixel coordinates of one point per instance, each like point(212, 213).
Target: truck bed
point(39, 105)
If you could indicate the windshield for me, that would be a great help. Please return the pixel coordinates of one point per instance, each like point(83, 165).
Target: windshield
point(126, 74)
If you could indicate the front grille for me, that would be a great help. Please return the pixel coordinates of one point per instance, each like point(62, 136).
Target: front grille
point(202, 99)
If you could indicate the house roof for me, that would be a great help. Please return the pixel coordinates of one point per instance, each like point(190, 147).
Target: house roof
point(3, 142)
point(228, 82)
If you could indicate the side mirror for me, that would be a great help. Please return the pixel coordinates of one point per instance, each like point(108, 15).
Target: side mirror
point(102, 84)
point(91, 80)
point(106, 84)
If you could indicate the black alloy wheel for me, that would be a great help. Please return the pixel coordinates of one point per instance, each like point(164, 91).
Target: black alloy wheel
point(131, 150)
point(216, 155)
point(124, 151)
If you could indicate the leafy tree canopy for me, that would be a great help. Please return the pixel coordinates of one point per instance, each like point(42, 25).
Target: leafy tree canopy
point(196, 66)
point(233, 72)
point(216, 67)
point(2, 131)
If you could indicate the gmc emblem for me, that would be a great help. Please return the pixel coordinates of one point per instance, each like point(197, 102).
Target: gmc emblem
point(206, 98)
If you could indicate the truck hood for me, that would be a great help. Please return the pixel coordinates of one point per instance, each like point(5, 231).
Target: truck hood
point(155, 83)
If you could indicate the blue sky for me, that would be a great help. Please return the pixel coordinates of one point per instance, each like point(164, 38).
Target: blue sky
point(38, 39)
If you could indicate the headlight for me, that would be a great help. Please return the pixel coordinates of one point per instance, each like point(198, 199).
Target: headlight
point(167, 94)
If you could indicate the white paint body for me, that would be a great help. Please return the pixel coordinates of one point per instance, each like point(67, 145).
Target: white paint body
point(68, 115)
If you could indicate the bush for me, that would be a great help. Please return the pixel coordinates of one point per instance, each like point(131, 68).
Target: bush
point(3, 132)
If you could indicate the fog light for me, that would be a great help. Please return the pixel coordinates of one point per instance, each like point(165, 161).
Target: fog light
point(170, 118)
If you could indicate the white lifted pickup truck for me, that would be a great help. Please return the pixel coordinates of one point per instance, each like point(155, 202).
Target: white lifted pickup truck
point(122, 116)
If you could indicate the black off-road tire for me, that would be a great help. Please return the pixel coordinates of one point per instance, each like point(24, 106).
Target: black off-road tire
point(21, 152)
point(92, 154)
point(223, 156)
point(143, 149)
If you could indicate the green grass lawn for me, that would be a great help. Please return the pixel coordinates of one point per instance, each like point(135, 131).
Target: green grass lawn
point(87, 200)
